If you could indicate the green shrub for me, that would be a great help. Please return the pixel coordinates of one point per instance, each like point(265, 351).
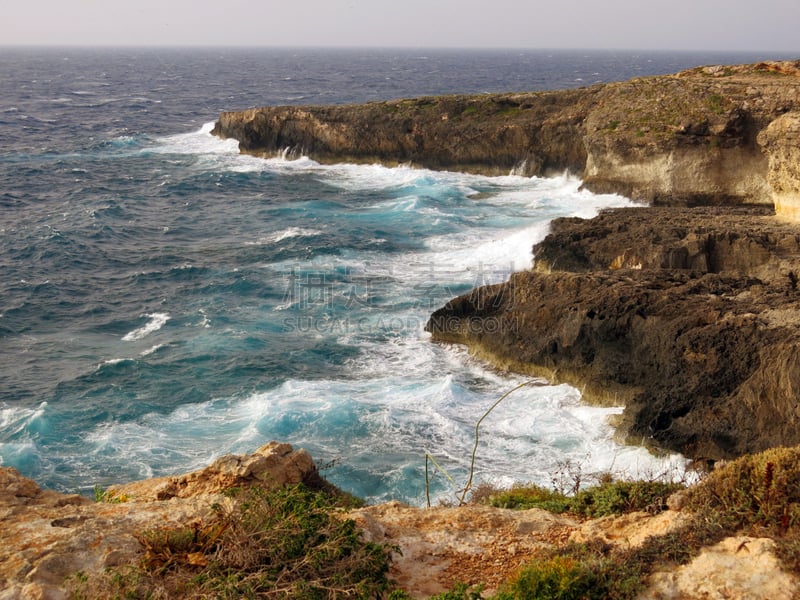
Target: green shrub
point(532, 496)
point(461, 591)
point(287, 543)
point(608, 498)
point(557, 578)
point(618, 497)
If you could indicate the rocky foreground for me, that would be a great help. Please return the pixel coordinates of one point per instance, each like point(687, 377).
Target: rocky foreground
point(50, 542)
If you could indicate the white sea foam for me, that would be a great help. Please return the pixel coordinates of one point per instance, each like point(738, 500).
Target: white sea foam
point(199, 142)
point(402, 396)
point(156, 322)
point(152, 350)
point(115, 361)
point(405, 397)
point(284, 234)
point(14, 419)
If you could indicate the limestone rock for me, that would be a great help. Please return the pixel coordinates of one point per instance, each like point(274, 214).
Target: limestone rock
point(629, 530)
point(703, 136)
point(272, 465)
point(46, 537)
point(738, 568)
point(781, 140)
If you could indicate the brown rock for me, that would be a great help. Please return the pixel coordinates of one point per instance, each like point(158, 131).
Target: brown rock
point(688, 317)
point(630, 530)
point(738, 568)
point(781, 141)
point(46, 537)
point(272, 465)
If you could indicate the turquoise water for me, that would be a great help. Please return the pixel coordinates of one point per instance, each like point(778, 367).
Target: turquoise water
point(165, 300)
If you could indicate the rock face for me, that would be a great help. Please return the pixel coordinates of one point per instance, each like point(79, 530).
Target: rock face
point(781, 141)
point(689, 317)
point(45, 537)
point(711, 135)
point(738, 567)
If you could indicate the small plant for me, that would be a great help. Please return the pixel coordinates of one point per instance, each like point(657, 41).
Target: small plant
point(607, 498)
point(618, 497)
point(532, 496)
point(715, 103)
point(461, 591)
point(104, 495)
point(468, 486)
point(755, 490)
point(559, 577)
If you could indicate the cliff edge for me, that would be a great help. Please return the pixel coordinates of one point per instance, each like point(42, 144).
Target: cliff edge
point(688, 317)
point(710, 135)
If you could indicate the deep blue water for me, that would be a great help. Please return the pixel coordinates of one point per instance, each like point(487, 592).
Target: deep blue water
point(164, 300)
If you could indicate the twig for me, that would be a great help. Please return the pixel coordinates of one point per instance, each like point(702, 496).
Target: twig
point(477, 427)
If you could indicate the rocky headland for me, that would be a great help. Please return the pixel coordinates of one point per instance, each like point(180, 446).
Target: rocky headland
point(710, 135)
point(690, 318)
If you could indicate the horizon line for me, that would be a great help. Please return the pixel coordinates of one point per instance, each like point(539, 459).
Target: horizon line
point(196, 46)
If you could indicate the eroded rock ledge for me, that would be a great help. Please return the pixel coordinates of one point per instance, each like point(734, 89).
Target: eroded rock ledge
point(690, 317)
point(710, 135)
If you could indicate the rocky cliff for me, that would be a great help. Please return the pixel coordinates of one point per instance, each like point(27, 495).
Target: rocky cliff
point(689, 317)
point(711, 135)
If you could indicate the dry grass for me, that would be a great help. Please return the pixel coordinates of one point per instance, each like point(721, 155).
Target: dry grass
point(285, 543)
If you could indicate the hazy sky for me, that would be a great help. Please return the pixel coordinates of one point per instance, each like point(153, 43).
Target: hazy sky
point(624, 24)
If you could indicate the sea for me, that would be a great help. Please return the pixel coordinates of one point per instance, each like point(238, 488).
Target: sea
point(165, 300)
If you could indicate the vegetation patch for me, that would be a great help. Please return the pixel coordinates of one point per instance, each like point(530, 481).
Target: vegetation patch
point(755, 495)
point(715, 103)
point(607, 498)
point(286, 543)
point(756, 491)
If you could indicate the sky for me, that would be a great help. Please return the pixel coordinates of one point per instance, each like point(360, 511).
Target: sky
point(726, 25)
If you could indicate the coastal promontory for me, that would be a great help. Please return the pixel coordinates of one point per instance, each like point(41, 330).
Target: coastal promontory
point(690, 318)
point(709, 135)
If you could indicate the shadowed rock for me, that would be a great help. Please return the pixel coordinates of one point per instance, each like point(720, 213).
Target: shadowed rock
point(688, 317)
